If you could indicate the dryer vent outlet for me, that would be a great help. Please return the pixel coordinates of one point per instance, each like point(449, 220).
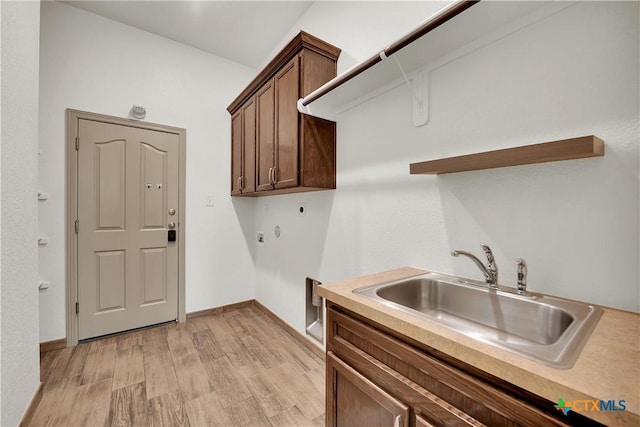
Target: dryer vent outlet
point(314, 308)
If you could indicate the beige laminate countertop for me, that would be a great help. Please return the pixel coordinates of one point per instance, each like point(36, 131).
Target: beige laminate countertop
point(608, 367)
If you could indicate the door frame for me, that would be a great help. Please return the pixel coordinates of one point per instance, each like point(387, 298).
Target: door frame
point(73, 117)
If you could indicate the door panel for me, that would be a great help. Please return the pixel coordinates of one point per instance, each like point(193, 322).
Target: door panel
point(153, 282)
point(110, 162)
point(110, 280)
point(153, 168)
point(127, 271)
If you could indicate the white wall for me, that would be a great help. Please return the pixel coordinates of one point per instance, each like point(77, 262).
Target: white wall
point(361, 28)
point(19, 352)
point(575, 222)
point(95, 64)
point(328, 242)
point(0, 212)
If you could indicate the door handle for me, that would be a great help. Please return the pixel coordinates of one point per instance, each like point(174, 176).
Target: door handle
point(397, 421)
point(270, 176)
point(171, 225)
point(275, 175)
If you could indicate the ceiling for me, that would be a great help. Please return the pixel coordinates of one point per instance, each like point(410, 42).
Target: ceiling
point(242, 31)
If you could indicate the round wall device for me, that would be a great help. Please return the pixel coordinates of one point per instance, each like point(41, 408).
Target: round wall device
point(138, 112)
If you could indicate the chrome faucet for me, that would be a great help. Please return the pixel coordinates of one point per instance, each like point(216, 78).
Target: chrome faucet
point(490, 271)
point(522, 276)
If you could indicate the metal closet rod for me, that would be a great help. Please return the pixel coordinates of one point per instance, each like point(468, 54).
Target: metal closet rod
point(431, 24)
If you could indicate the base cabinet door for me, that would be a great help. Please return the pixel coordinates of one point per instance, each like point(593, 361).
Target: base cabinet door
point(359, 402)
point(249, 147)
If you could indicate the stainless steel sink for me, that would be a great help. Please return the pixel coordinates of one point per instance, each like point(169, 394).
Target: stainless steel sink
point(548, 330)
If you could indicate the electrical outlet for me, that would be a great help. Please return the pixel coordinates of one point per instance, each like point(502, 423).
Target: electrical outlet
point(260, 238)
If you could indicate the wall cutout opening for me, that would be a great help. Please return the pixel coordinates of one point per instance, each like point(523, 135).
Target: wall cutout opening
point(314, 323)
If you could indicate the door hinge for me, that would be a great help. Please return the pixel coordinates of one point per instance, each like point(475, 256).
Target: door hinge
point(77, 307)
point(77, 226)
point(77, 143)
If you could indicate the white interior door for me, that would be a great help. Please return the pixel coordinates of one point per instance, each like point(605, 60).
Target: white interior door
point(127, 269)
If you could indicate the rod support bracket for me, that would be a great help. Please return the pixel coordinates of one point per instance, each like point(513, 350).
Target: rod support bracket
point(419, 100)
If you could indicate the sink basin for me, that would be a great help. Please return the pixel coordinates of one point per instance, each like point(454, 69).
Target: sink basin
point(549, 330)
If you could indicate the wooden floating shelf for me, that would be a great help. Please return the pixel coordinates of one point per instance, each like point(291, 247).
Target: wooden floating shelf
point(566, 149)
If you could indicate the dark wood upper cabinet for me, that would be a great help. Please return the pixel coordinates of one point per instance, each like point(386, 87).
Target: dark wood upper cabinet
point(290, 151)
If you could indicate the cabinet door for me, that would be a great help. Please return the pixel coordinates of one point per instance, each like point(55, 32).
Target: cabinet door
point(421, 422)
point(265, 144)
point(357, 402)
point(249, 144)
point(236, 153)
point(287, 126)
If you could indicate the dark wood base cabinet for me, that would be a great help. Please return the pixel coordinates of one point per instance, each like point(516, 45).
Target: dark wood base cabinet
point(376, 377)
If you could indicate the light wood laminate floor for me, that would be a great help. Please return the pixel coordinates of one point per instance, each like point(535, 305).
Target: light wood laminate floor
point(237, 368)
